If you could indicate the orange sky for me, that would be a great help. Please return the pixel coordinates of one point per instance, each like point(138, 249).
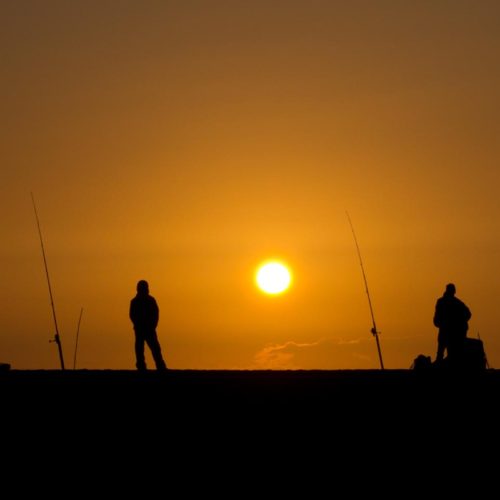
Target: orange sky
point(184, 142)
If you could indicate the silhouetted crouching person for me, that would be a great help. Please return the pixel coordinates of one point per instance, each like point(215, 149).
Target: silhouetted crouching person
point(144, 314)
point(451, 317)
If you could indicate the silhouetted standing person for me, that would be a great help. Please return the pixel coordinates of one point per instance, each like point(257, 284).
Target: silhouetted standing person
point(144, 314)
point(451, 317)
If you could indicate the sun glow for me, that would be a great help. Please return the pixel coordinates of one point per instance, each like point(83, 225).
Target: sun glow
point(273, 278)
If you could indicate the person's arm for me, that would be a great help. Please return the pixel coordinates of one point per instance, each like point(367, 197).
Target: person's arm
point(467, 313)
point(131, 312)
point(437, 315)
point(156, 313)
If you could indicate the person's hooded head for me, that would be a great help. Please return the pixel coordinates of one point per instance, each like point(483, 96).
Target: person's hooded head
point(142, 288)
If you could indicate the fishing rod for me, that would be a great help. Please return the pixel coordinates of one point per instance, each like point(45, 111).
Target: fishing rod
point(57, 338)
point(77, 334)
point(374, 330)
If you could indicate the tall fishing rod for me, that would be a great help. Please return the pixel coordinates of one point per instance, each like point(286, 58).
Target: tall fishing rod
point(57, 338)
point(374, 330)
point(77, 334)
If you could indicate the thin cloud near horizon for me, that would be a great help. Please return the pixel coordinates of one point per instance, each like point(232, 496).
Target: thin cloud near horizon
point(292, 355)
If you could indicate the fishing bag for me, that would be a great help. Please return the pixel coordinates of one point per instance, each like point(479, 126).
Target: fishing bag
point(421, 363)
point(474, 357)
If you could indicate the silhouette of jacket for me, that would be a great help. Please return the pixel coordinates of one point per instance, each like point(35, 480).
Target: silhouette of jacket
point(144, 314)
point(451, 316)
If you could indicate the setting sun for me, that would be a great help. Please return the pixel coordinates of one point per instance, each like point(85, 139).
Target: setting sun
point(273, 278)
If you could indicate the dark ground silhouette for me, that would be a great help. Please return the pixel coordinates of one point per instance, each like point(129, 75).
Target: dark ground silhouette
point(294, 396)
point(268, 430)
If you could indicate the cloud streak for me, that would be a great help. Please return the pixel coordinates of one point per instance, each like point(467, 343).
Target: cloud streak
point(327, 353)
point(280, 356)
point(290, 355)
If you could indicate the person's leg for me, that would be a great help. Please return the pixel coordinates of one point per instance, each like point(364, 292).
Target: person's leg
point(154, 345)
point(441, 346)
point(140, 361)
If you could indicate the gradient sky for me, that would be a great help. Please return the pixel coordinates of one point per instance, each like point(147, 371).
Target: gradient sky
point(183, 142)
